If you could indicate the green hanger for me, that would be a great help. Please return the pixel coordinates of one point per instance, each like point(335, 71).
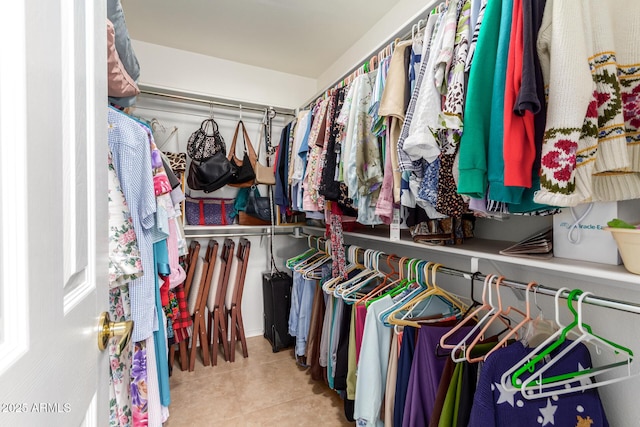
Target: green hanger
point(531, 365)
point(298, 258)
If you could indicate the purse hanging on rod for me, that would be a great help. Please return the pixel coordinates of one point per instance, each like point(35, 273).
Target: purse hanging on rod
point(245, 169)
point(209, 169)
point(264, 174)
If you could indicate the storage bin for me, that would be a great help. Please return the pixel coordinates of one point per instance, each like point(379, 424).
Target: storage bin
point(628, 241)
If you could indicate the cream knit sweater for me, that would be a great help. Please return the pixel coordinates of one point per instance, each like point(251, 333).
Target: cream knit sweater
point(590, 56)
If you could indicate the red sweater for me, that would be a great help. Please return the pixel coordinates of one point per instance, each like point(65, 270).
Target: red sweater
point(519, 150)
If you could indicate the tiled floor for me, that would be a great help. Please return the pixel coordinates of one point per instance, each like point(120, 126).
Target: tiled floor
point(266, 389)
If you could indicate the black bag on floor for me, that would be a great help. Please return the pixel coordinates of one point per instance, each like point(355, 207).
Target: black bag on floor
point(276, 291)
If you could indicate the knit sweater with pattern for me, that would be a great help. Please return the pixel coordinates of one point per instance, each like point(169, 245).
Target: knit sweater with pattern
point(590, 60)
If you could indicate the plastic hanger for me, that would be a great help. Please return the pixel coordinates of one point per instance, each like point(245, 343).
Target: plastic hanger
point(536, 386)
point(459, 351)
point(485, 305)
point(505, 381)
point(431, 291)
point(398, 287)
point(347, 286)
point(515, 330)
point(501, 314)
point(539, 329)
point(412, 288)
point(298, 258)
point(386, 283)
point(474, 303)
point(329, 286)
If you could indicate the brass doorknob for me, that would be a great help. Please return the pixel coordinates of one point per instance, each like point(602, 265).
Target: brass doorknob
point(108, 329)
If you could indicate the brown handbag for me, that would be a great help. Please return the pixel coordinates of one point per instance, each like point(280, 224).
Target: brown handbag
point(245, 175)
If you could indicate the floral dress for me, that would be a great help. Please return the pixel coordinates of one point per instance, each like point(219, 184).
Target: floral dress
point(124, 255)
point(124, 266)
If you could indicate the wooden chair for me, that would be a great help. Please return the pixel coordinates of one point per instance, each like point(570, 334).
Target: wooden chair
point(233, 303)
point(197, 301)
point(217, 325)
point(194, 249)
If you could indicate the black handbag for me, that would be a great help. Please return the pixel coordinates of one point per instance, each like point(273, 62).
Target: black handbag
point(244, 173)
point(210, 174)
point(257, 206)
point(203, 143)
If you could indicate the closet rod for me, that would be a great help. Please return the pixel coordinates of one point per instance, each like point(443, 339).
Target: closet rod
point(541, 289)
point(403, 33)
point(255, 234)
point(208, 100)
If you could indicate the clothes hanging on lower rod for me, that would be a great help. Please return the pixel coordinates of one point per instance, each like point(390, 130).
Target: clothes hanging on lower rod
point(405, 375)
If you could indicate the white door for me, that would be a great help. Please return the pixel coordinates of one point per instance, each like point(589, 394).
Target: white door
point(53, 212)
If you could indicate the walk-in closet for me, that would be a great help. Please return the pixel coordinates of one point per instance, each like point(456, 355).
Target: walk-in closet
point(393, 213)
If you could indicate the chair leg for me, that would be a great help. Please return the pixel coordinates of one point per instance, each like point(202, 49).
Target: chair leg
point(243, 340)
point(184, 355)
point(213, 338)
point(222, 334)
point(232, 341)
point(204, 341)
point(194, 345)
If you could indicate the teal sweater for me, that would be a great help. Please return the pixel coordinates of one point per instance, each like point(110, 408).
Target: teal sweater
point(474, 144)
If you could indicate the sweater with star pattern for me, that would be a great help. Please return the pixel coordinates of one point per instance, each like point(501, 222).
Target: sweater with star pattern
point(494, 406)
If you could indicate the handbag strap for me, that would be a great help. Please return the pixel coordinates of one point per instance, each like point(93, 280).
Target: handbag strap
point(248, 146)
point(265, 133)
point(223, 212)
point(262, 126)
point(205, 124)
point(201, 220)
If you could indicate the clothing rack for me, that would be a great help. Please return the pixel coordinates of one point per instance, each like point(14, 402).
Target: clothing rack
point(263, 231)
point(201, 98)
point(403, 33)
point(514, 284)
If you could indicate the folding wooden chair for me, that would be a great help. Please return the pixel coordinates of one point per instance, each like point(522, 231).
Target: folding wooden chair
point(234, 298)
point(194, 249)
point(197, 301)
point(217, 325)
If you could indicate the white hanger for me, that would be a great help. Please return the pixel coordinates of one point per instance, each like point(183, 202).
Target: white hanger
point(541, 390)
point(348, 293)
point(461, 347)
point(346, 286)
point(329, 286)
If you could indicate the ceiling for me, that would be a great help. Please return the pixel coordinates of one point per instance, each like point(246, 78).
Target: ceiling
point(302, 37)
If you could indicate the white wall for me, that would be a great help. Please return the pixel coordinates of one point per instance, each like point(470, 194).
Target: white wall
point(401, 16)
point(191, 72)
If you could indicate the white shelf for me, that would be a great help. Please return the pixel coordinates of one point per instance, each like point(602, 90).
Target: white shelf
point(489, 250)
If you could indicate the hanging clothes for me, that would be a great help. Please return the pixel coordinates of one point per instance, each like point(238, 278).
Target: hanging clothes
point(372, 368)
point(473, 179)
point(590, 150)
point(394, 102)
point(426, 370)
point(495, 406)
point(129, 144)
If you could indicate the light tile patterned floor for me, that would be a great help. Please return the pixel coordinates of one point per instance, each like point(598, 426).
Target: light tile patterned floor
point(266, 389)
